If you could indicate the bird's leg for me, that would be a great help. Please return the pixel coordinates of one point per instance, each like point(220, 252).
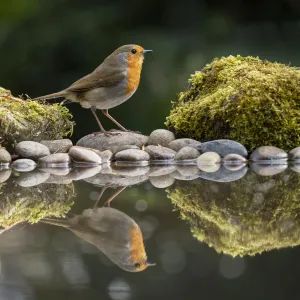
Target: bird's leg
point(107, 202)
point(105, 112)
point(100, 196)
point(93, 109)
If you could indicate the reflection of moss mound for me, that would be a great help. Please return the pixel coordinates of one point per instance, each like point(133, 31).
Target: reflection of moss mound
point(241, 98)
point(32, 204)
point(246, 217)
point(31, 120)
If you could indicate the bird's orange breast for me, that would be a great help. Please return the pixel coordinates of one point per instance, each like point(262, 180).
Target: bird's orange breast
point(134, 68)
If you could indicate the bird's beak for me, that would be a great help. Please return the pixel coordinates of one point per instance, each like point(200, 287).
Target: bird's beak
point(147, 51)
point(150, 264)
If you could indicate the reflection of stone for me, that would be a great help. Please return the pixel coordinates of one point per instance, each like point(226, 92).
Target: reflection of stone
point(4, 175)
point(20, 204)
point(23, 165)
point(267, 169)
point(162, 181)
point(250, 216)
point(33, 178)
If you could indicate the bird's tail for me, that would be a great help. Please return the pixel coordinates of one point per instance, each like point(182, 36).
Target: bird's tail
point(51, 96)
point(56, 222)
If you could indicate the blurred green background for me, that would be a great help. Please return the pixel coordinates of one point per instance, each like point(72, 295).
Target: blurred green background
point(46, 45)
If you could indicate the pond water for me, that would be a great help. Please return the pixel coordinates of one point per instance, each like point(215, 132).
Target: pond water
point(213, 235)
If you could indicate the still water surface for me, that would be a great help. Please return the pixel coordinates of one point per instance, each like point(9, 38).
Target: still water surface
point(209, 239)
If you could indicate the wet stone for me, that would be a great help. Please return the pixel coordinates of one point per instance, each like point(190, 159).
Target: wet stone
point(32, 178)
point(106, 156)
point(56, 171)
point(125, 147)
point(234, 167)
point(223, 147)
point(31, 150)
point(4, 174)
point(58, 146)
point(208, 158)
point(234, 159)
point(160, 153)
point(187, 153)
point(157, 170)
point(82, 155)
point(83, 173)
point(162, 181)
point(178, 144)
point(267, 170)
point(5, 157)
point(224, 175)
point(55, 160)
point(209, 168)
point(161, 137)
point(268, 153)
point(112, 142)
point(132, 171)
point(294, 154)
point(295, 167)
point(23, 165)
point(132, 155)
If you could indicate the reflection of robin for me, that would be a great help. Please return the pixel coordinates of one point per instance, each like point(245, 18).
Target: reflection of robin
point(111, 84)
point(112, 232)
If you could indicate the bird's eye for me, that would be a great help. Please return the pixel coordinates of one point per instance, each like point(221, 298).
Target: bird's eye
point(133, 51)
point(137, 265)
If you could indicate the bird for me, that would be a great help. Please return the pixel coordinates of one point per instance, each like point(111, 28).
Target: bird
point(109, 85)
point(113, 232)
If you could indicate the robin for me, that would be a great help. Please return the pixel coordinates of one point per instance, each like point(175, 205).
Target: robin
point(110, 85)
point(113, 232)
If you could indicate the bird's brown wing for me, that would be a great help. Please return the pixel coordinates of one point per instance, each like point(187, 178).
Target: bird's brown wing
point(101, 77)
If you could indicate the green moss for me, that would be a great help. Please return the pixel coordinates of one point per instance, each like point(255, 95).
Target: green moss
point(249, 216)
point(31, 120)
point(19, 204)
point(241, 98)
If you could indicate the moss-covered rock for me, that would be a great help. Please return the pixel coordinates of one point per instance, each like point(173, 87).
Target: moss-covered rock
point(19, 204)
point(241, 98)
point(245, 217)
point(31, 120)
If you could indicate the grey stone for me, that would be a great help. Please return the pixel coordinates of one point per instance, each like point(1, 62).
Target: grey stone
point(234, 159)
point(188, 170)
point(4, 175)
point(131, 163)
point(178, 144)
point(294, 154)
point(268, 153)
point(132, 155)
point(125, 147)
point(295, 167)
point(208, 158)
point(58, 146)
point(162, 181)
point(161, 137)
point(209, 168)
point(32, 178)
point(160, 153)
point(187, 153)
point(31, 150)
point(82, 155)
point(55, 160)
point(106, 169)
point(83, 173)
point(224, 175)
point(105, 155)
point(267, 170)
point(132, 171)
point(112, 142)
point(223, 147)
point(157, 170)
point(56, 171)
point(5, 157)
point(23, 165)
point(234, 167)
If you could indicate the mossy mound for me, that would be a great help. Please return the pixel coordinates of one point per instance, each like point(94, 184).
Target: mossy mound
point(245, 217)
point(31, 120)
point(19, 204)
point(241, 98)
